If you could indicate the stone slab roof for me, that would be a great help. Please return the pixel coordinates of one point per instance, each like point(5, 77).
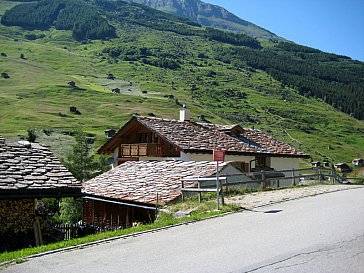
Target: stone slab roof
point(141, 181)
point(30, 167)
point(197, 137)
point(207, 137)
point(269, 144)
point(192, 136)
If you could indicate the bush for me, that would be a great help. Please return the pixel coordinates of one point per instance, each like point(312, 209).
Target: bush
point(5, 75)
point(31, 135)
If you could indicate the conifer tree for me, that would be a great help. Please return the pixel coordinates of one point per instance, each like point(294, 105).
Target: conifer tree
point(79, 161)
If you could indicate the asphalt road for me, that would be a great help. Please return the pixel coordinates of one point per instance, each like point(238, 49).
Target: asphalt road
point(317, 234)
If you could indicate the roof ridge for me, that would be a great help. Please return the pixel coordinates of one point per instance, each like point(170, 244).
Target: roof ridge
point(189, 121)
point(156, 118)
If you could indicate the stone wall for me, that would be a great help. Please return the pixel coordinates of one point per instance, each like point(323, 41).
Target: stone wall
point(16, 223)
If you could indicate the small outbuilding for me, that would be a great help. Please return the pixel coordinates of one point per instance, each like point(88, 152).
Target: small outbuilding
point(28, 171)
point(110, 133)
point(359, 162)
point(316, 164)
point(343, 167)
point(130, 192)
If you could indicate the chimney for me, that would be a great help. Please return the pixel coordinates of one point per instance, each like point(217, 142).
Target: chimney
point(184, 114)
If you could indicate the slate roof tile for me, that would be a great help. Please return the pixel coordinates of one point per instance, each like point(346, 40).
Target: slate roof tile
point(141, 181)
point(269, 143)
point(32, 166)
point(192, 136)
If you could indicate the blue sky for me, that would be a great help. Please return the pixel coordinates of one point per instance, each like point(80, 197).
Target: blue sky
point(335, 26)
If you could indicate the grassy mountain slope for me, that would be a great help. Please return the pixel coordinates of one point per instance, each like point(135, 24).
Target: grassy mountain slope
point(37, 94)
point(209, 15)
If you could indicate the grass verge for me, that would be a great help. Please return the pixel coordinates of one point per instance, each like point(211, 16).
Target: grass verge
point(163, 221)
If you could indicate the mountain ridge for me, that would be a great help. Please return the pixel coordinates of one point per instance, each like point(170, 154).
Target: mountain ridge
point(209, 15)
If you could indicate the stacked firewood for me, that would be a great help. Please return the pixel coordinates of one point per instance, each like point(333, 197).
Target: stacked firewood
point(16, 215)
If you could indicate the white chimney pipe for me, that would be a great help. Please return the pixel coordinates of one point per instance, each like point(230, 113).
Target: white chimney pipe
point(184, 114)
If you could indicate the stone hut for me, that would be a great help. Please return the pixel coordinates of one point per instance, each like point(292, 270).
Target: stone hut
point(28, 171)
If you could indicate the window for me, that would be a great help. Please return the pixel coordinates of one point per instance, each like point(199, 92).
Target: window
point(143, 138)
point(261, 161)
point(148, 138)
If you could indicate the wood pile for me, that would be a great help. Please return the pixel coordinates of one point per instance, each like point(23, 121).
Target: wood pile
point(16, 216)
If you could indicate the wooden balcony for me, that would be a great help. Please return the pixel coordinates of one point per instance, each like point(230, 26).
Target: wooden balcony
point(136, 150)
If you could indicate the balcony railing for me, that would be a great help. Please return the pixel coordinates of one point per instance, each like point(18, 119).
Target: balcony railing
point(136, 150)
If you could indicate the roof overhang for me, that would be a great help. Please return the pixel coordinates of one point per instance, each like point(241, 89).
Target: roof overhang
point(197, 151)
point(111, 144)
point(40, 193)
point(107, 147)
point(118, 201)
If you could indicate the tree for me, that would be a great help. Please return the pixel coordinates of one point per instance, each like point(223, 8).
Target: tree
point(72, 84)
point(80, 161)
point(82, 164)
point(70, 210)
point(110, 77)
point(5, 75)
point(102, 165)
point(32, 136)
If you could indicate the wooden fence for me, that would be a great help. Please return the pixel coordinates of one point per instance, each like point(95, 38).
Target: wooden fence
point(69, 231)
point(262, 180)
point(76, 230)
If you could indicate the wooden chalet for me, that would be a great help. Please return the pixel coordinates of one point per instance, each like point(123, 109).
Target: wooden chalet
point(149, 138)
point(28, 171)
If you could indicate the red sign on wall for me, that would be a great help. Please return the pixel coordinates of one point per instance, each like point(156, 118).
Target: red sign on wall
point(219, 155)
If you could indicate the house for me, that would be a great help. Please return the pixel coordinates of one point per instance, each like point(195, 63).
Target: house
point(149, 138)
point(343, 167)
point(28, 171)
point(110, 133)
point(359, 162)
point(130, 192)
point(316, 164)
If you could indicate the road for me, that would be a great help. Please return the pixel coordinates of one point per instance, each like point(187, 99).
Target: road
point(317, 234)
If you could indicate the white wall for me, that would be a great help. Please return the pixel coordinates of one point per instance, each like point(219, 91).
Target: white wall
point(228, 171)
point(278, 163)
point(208, 157)
point(282, 163)
point(116, 156)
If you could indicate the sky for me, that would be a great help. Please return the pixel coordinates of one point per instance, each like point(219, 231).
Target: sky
point(334, 26)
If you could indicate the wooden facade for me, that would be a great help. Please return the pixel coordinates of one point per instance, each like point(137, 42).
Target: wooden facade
point(105, 214)
point(140, 141)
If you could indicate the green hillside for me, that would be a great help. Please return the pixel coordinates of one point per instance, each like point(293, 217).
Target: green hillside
point(164, 61)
